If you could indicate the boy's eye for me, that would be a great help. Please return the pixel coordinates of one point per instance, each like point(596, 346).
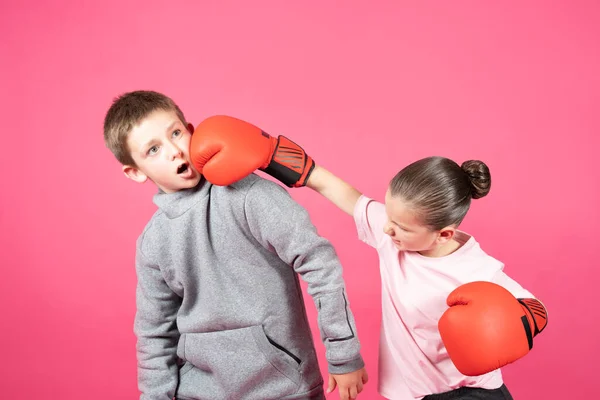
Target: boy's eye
point(176, 133)
point(152, 150)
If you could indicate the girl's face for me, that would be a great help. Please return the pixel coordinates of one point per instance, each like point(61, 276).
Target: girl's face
point(406, 230)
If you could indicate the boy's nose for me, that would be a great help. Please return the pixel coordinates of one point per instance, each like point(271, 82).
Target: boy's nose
point(175, 152)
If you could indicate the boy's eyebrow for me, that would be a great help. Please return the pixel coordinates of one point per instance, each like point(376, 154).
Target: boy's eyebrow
point(149, 142)
point(171, 125)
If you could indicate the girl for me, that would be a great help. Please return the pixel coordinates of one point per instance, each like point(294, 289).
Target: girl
point(423, 257)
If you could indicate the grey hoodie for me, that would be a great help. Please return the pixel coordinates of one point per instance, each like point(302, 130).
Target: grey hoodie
point(220, 311)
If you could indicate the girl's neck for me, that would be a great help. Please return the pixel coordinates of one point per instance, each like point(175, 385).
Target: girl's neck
point(444, 250)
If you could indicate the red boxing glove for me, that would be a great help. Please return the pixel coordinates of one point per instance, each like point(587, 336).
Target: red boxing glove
point(225, 149)
point(486, 327)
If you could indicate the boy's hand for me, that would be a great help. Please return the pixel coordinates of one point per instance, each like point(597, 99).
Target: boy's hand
point(349, 385)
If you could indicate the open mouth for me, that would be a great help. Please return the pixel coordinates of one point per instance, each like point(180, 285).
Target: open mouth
point(182, 168)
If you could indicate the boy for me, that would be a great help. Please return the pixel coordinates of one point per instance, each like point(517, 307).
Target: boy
point(220, 312)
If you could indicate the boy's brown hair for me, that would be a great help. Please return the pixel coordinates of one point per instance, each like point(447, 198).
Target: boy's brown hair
point(127, 111)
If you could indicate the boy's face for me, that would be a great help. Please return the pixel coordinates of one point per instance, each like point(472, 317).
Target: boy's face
point(159, 146)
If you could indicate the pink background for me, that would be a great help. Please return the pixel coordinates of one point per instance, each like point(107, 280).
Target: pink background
point(366, 87)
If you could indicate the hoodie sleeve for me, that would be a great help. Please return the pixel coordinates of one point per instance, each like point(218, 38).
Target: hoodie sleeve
point(280, 223)
point(156, 331)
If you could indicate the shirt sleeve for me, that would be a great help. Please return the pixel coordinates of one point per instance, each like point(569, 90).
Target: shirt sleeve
point(500, 278)
point(370, 219)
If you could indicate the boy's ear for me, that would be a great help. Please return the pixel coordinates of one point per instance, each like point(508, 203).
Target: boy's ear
point(190, 127)
point(134, 174)
point(446, 234)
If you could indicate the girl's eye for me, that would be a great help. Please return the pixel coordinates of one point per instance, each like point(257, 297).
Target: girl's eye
point(177, 133)
point(403, 229)
point(152, 150)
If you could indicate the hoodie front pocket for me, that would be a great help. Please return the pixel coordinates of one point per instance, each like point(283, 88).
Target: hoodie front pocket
point(237, 363)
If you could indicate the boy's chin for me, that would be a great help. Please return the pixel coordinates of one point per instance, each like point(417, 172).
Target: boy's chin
point(189, 183)
point(173, 187)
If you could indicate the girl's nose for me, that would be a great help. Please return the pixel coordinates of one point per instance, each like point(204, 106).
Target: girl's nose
point(388, 230)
